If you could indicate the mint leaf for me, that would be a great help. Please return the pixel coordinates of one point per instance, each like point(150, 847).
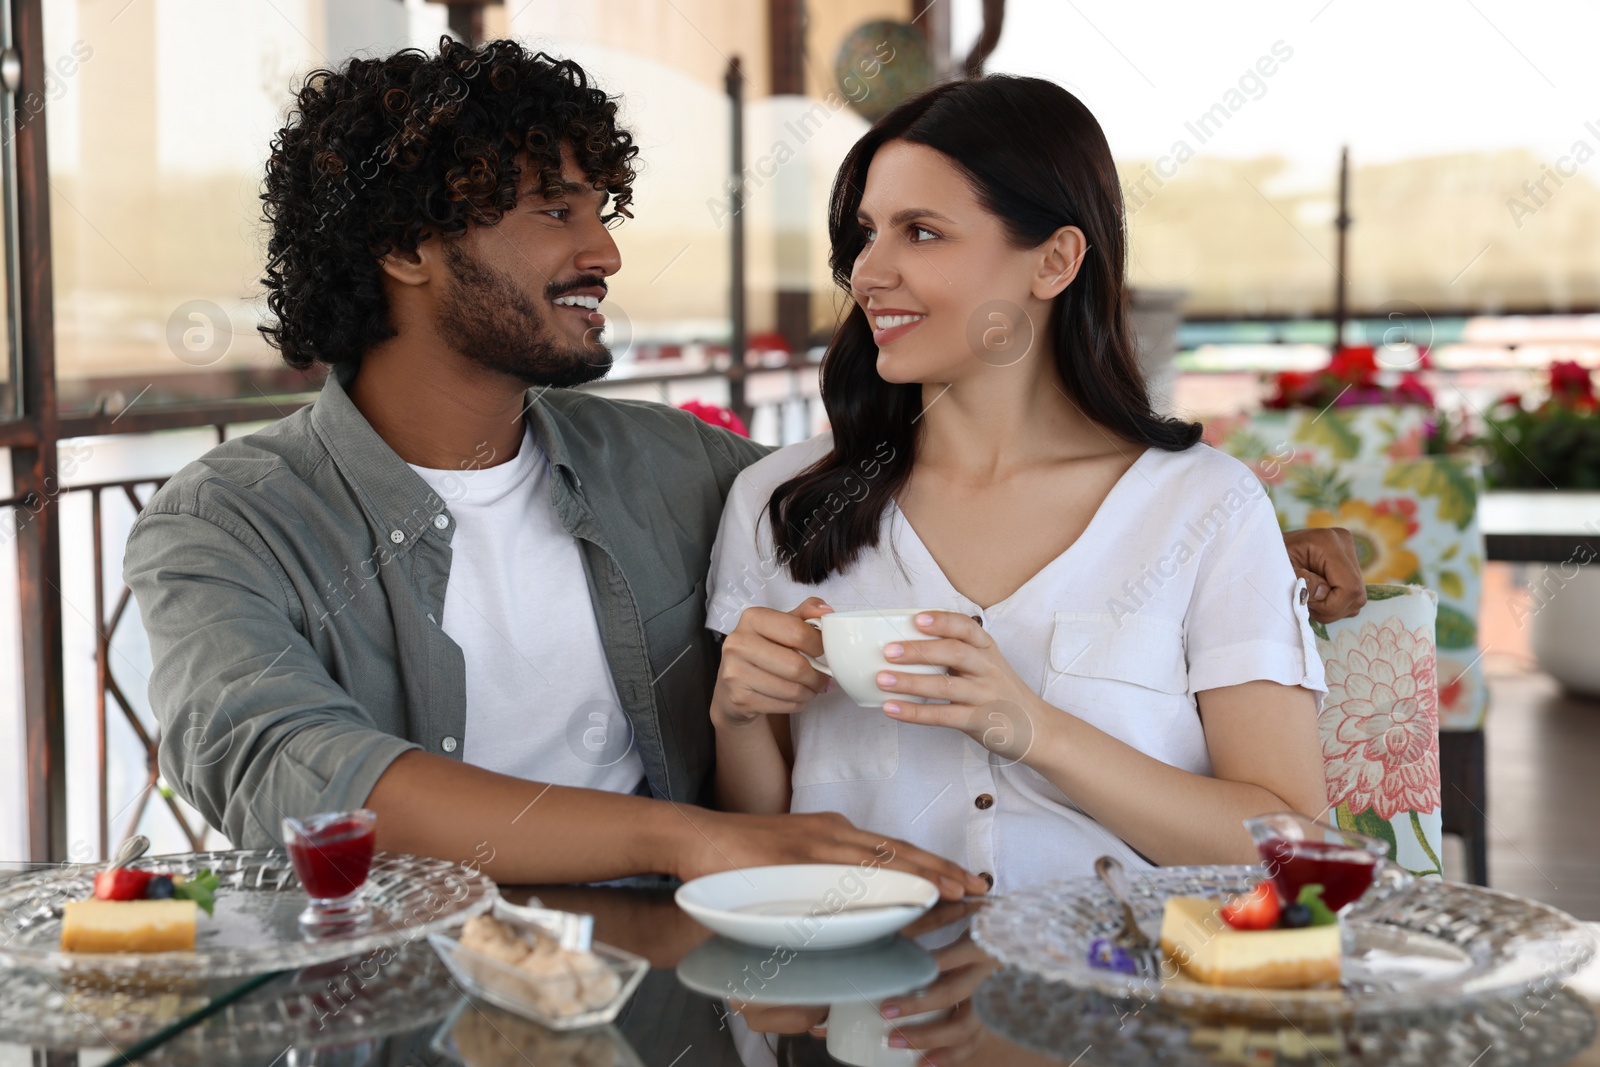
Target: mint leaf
point(1311, 897)
point(202, 889)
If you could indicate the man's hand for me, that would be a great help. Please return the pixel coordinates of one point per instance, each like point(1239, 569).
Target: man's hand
point(719, 841)
point(1326, 559)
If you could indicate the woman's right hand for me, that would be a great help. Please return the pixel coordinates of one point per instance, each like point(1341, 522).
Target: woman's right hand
point(763, 671)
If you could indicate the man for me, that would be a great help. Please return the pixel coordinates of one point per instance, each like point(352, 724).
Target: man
point(455, 590)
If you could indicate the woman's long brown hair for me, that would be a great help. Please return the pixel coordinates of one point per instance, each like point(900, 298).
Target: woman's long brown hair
point(1038, 160)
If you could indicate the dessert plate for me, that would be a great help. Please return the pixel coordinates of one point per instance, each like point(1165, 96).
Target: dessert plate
point(255, 927)
point(1440, 942)
point(1531, 1029)
point(807, 906)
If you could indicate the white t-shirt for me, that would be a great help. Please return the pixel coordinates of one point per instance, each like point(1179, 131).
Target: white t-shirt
point(1179, 584)
point(541, 703)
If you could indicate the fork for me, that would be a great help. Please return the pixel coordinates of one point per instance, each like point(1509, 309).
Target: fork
point(1143, 954)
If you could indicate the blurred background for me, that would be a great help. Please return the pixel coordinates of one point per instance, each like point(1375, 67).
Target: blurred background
point(1331, 204)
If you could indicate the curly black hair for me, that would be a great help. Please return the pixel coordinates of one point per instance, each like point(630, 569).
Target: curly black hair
point(380, 155)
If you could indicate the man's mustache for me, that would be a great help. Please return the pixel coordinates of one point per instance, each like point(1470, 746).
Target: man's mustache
point(555, 289)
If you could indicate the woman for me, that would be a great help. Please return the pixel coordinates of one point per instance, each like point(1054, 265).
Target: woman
point(1131, 667)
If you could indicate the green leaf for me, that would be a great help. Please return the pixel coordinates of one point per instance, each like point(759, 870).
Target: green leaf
point(1449, 551)
point(1386, 591)
point(1320, 630)
point(202, 889)
point(1311, 897)
point(1455, 628)
point(1331, 429)
point(1320, 487)
point(1446, 480)
point(1450, 584)
point(1422, 839)
point(1372, 824)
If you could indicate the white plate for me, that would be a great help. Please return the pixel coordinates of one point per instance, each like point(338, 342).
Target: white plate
point(724, 969)
point(806, 906)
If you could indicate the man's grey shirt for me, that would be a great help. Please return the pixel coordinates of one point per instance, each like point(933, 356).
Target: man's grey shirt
point(292, 583)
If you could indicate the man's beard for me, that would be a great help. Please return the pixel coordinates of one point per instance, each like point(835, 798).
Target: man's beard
point(489, 321)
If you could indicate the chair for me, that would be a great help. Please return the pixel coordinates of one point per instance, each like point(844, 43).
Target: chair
point(1415, 521)
point(1379, 724)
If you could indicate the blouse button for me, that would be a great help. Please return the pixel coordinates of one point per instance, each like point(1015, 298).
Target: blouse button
point(448, 744)
point(978, 619)
point(987, 877)
point(984, 801)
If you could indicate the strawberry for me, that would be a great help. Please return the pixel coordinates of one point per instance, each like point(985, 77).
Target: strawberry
point(1257, 910)
point(121, 883)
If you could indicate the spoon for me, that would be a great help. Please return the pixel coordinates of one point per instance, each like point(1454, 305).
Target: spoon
point(130, 850)
point(1145, 953)
point(802, 908)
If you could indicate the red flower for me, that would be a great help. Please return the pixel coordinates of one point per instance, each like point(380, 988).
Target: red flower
point(1509, 400)
point(1570, 385)
point(1357, 365)
point(1293, 387)
point(1412, 391)
point(716, 416)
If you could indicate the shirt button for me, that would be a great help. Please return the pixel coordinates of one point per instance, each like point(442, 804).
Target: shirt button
point(396, 536)
point(978, 619)
point(440, 521)
point(984, 801)
point(987, 877)
point(448, 744)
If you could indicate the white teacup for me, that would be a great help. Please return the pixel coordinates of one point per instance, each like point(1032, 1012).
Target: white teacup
point(852, 644)
point(859, 1034)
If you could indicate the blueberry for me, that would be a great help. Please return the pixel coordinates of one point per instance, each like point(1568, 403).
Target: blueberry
point(158, 888)
point(1295, 916)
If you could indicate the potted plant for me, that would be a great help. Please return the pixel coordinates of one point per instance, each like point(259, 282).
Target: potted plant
point(1553, 444)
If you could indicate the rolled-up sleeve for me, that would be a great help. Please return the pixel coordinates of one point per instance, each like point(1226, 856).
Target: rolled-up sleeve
point(253, 727)
point(1246, 621)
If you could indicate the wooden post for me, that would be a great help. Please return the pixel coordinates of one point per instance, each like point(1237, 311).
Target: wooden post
point(1342, 224)
point(33, 465)
point(736, 293)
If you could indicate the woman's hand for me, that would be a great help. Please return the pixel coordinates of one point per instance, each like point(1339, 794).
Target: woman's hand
point(953, 1039)
point(988, 702)
point(763, 671)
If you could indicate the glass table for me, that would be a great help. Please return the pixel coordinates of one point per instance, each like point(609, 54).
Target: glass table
point(399, 1008)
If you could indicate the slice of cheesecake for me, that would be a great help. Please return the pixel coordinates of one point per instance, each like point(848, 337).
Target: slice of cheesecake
point(1194, 935)
point(128, 925)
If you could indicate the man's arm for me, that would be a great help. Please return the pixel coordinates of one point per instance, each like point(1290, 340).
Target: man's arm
point(525, 832)
point(254, 728)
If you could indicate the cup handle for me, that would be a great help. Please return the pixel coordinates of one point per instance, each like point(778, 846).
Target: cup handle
point(816, 662)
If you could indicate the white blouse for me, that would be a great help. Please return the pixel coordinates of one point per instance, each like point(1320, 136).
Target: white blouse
point(1179, 584)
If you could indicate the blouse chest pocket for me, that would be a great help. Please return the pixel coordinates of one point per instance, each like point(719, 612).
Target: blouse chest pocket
point(1141, 650)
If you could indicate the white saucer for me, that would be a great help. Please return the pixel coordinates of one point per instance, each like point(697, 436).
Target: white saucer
point(799, 906)
point(723, 969)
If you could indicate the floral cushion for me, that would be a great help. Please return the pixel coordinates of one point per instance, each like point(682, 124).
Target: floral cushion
point(1379, 724)
point(1414, 516)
